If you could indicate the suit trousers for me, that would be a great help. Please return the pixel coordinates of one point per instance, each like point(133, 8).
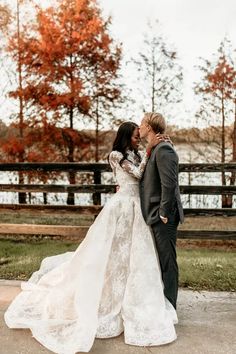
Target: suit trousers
point(165, 241)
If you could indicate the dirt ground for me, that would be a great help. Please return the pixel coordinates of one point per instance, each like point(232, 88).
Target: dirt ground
point(223, 245)
point(206, 326)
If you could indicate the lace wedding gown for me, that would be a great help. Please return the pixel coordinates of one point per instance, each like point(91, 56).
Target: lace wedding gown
point(110, 284)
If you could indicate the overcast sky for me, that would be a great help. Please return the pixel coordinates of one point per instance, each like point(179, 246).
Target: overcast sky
point(195, 27)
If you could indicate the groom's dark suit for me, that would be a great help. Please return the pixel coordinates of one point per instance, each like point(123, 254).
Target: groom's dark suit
point(160, 196)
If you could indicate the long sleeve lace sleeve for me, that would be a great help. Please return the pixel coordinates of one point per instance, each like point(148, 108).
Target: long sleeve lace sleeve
point(129, 165)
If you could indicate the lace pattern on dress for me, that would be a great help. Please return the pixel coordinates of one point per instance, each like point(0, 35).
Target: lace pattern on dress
point(131, 165)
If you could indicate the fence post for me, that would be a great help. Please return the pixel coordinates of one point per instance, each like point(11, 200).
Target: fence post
point(97, 180)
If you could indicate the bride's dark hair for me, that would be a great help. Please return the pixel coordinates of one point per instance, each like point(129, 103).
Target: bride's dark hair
point(122, 142)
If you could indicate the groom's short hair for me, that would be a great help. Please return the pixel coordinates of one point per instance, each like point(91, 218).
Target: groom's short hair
point(156, 121)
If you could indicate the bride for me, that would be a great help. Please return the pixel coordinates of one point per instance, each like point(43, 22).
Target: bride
point(111, 283)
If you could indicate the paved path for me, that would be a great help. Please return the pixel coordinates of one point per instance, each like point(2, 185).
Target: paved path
point(207, 325)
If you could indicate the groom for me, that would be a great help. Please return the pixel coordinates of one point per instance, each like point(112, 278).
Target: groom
point(160, 201)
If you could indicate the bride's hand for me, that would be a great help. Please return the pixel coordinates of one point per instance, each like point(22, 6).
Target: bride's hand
point(168, 139)
point(157, 139)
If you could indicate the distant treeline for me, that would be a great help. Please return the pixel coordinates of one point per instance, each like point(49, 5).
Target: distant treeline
point(194, 135)
point(211, 134)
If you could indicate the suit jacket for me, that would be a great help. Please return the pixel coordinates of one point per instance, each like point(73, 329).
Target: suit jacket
point(159, 188)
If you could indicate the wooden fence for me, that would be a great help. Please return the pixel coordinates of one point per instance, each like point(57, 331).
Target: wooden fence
point(96, 188)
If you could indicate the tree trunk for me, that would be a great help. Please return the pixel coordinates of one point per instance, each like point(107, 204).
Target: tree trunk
point(21, 196)
point(225, 201)
point(97, 174)
point(72, 174)
point(234, 134)
point(233, 174)
point(97, 133)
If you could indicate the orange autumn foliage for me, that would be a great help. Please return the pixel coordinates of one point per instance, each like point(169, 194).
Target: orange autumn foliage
point(70, 46)
point(68, 58)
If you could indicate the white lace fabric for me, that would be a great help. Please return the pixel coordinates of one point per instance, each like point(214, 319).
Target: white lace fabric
point(132, 165)
point(110, 284)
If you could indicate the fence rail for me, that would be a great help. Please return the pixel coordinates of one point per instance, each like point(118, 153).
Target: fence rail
point(95, 209)
point(96, 188)
point(109, 188)
point(105, 167)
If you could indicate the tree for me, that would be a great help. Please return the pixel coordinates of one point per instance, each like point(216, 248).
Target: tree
point(16, 54)
point(218, 90)
point(70, 45)
point(5, 17)
point(159, 73)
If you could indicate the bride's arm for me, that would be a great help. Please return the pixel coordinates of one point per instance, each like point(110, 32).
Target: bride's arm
point(135, 171)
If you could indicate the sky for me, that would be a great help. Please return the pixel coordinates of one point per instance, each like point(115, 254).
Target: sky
point(194, 27)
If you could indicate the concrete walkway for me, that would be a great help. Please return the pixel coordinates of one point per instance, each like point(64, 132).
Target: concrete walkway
point(207, 325)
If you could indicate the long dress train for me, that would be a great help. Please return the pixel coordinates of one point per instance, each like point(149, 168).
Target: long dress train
point(109, 285)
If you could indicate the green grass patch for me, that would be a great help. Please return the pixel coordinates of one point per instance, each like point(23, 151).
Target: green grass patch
point(60, 218)
point(200, 269)
point(46, 219)
point(18, 260)
point(204, 269)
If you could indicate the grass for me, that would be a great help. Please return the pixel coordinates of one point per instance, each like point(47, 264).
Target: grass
point(18, 260)
point(204, 269)
point(199, 268)
point(42, 218)
point(209, 223)
point(45, 219)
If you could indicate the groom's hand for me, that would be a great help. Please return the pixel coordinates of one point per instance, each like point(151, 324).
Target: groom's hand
point(163, 219)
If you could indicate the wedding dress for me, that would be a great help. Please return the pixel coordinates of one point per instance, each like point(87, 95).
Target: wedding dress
point(109, 285)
